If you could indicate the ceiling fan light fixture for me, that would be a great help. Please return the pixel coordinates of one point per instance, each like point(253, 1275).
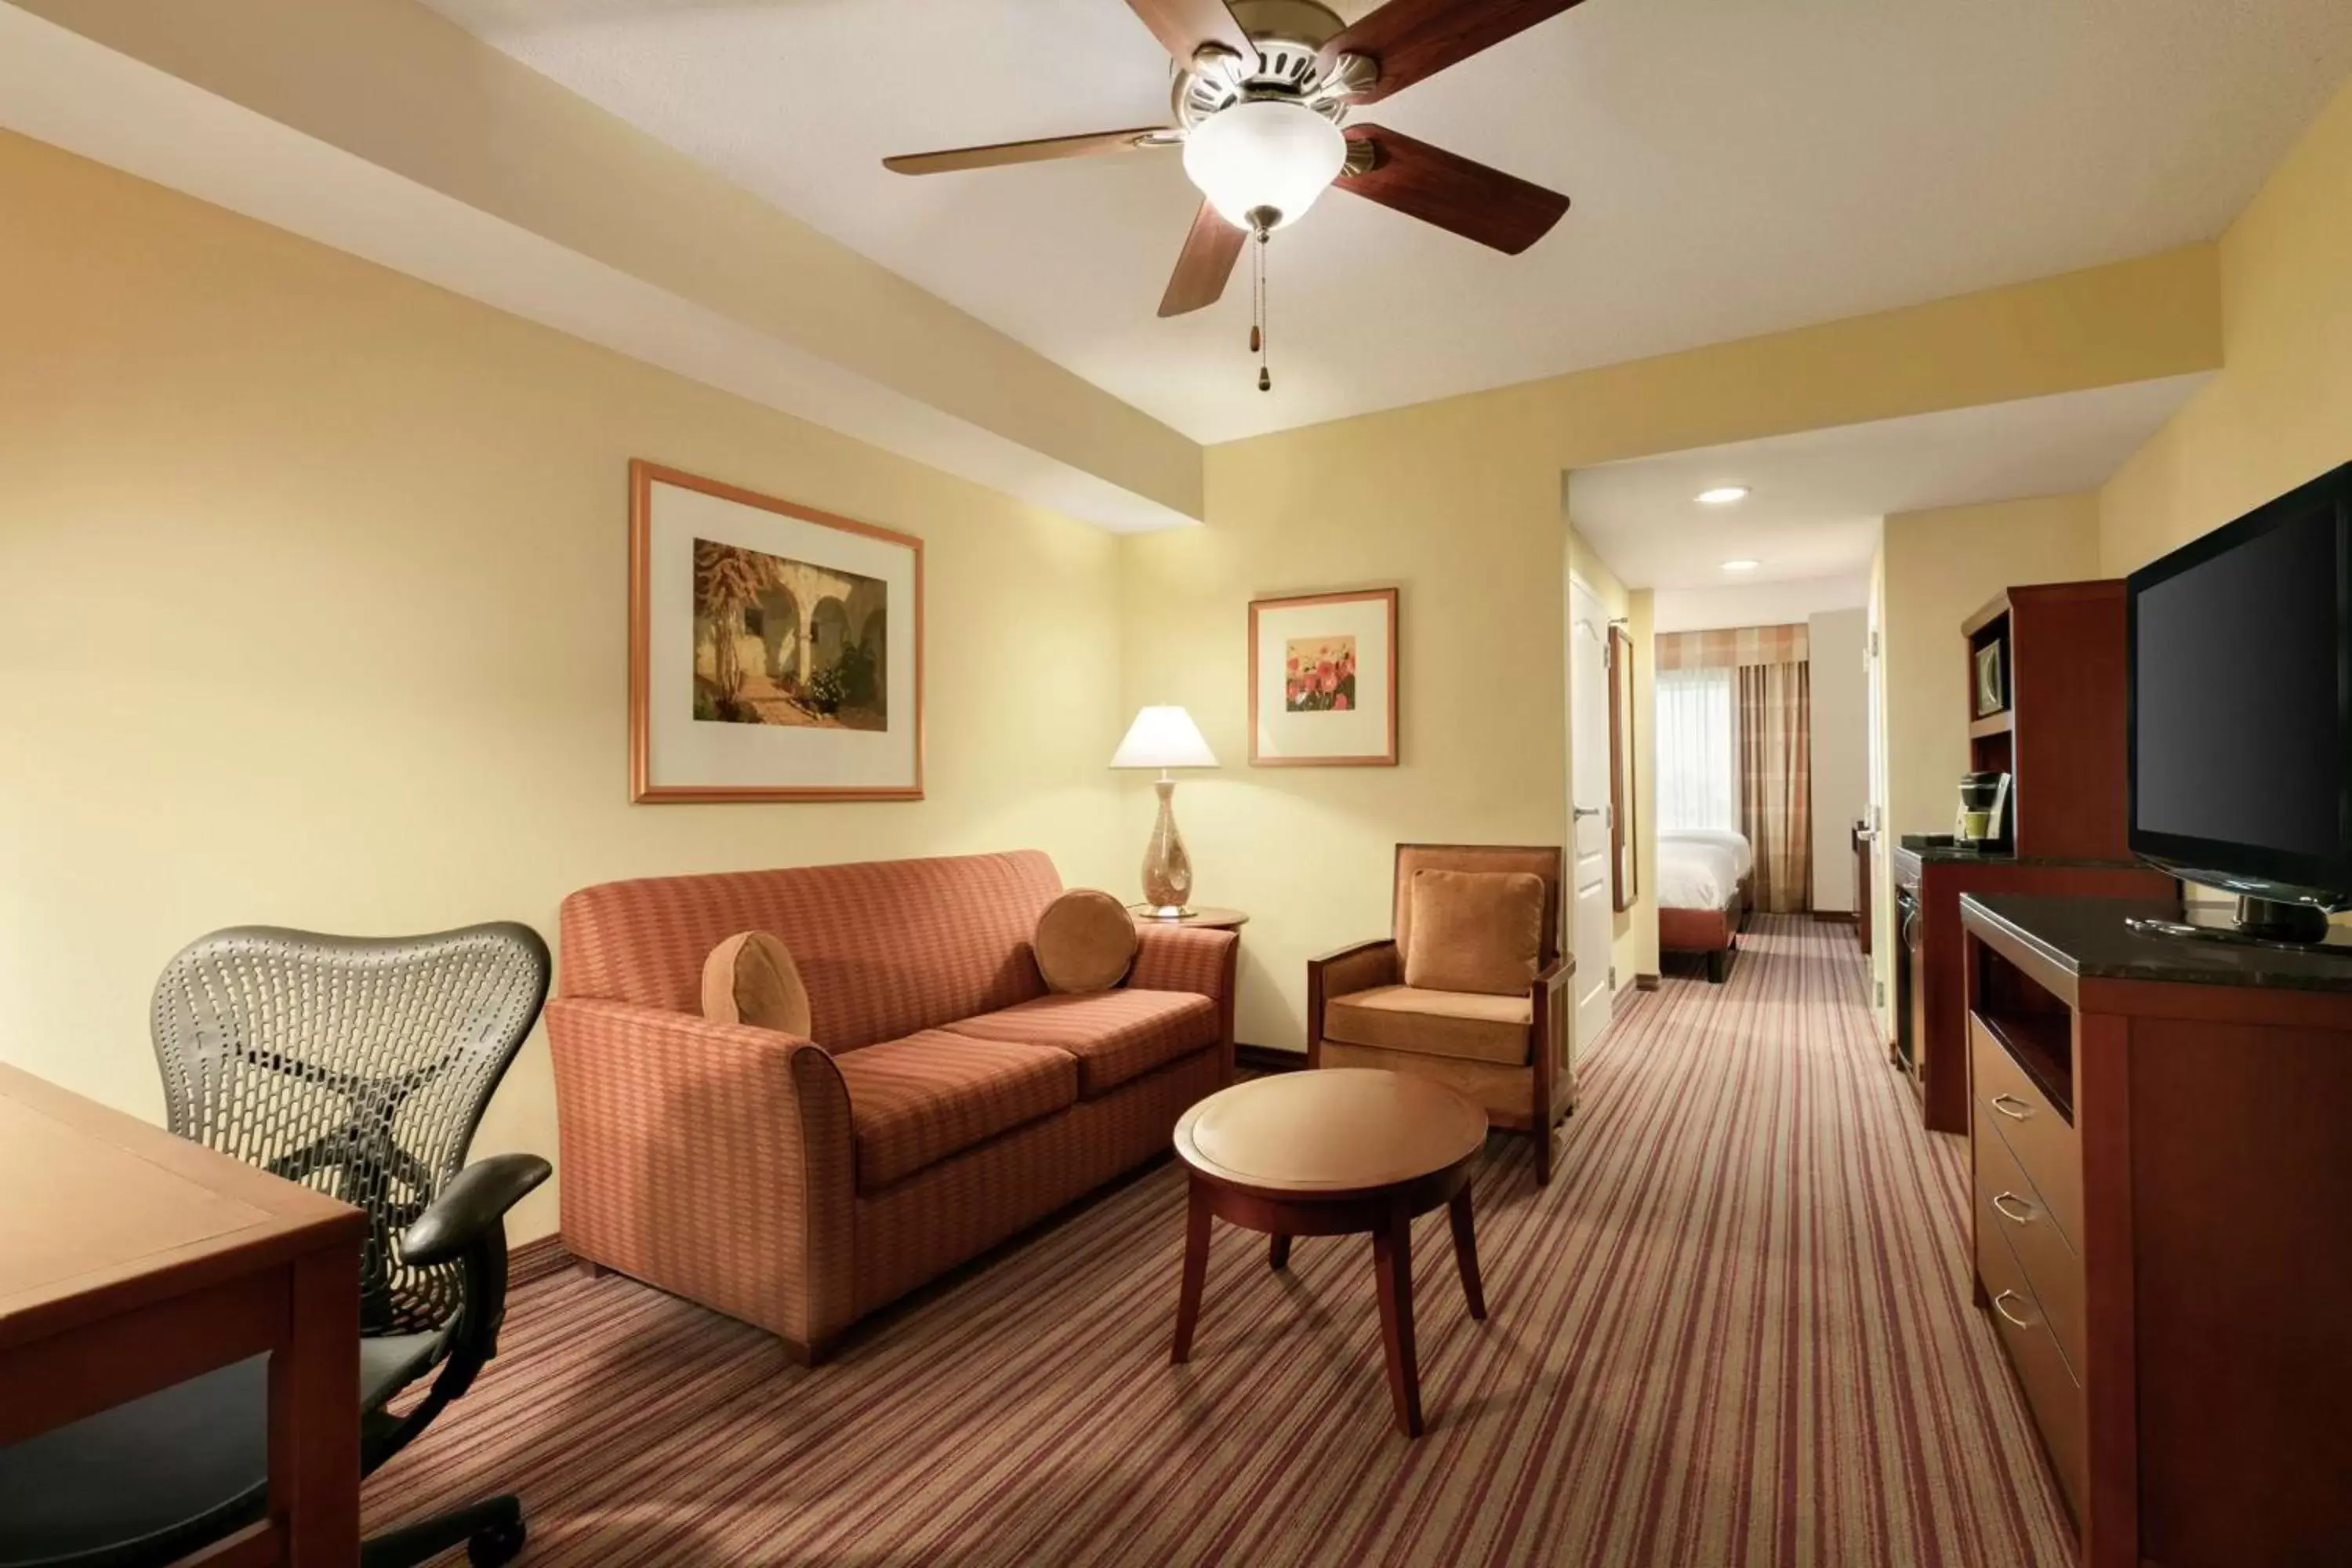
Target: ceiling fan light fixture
point(1264, 156)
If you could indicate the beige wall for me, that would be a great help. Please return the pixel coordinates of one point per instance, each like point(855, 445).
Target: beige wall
point(1841, 764)
point(2281, 410)
point(1637, 950)
point(1458, 503)
point(312, 611)
point(1942, 566)
point(1478, 555)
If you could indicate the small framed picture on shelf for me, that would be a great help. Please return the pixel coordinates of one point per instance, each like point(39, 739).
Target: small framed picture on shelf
point(1323, 681)
point(1992, 687)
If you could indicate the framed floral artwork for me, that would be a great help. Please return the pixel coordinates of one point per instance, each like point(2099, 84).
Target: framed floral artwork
point(1323, 681)
point(775, 651)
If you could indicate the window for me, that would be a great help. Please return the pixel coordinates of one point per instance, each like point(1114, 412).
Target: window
point(1697, 784)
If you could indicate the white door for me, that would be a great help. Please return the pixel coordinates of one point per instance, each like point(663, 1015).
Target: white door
point(1591, 921)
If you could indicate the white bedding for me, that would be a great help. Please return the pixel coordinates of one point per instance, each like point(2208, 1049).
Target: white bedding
point(1699, 871)
point(1724, 837)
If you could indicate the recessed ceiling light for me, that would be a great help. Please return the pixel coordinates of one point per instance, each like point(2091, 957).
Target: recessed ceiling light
point(1723, 495)
point(1741, 565)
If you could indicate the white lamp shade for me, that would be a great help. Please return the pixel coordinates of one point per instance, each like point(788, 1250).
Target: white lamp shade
point(1163, 738)
point(1264, 154)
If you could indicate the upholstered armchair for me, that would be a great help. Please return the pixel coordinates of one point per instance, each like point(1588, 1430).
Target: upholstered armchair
point(1506, 1050)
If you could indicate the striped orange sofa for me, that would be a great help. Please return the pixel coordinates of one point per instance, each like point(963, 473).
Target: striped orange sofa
point(946, 1100)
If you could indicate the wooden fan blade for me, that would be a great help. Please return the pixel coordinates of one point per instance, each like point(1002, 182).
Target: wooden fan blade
point(1416, 39)
point(1184, 26)
point(1450, 191)
point(999, 153)
point(1210, 252)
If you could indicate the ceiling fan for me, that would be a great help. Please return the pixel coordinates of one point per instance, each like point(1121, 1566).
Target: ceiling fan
point(1263, 89)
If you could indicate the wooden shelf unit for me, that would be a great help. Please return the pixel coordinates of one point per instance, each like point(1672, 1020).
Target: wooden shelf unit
point(2062, 741)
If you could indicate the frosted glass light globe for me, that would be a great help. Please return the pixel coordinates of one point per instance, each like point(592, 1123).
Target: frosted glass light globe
point(1264, 153)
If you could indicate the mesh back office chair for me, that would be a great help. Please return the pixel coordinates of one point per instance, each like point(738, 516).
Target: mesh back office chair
point(360, 1068)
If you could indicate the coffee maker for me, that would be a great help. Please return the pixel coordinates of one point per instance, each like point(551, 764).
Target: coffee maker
point(1983, 821)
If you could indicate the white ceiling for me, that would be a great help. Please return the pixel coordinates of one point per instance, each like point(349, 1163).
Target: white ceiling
point(1737, 168)
point(1817, 498)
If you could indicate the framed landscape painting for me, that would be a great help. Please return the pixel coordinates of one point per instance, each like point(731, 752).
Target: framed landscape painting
point(775, 651)
point(1323, 681)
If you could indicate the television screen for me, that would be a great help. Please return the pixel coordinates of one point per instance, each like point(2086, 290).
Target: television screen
point(2241, 698)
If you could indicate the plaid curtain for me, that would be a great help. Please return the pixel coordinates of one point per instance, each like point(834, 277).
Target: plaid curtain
point(1775, 781)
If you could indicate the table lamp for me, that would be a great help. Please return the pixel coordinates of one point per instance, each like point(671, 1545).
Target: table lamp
point(1165, 738)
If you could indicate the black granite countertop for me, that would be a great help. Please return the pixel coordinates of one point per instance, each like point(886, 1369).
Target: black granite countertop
point(1940, 850)
point(2087, 938)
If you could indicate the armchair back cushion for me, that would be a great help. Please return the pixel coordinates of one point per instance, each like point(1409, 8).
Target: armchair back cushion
point(1543, 862)
point(1475, 931)
point(885, 948)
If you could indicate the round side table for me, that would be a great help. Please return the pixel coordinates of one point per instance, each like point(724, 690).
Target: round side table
point(1335, 1152)
point(1205, 918)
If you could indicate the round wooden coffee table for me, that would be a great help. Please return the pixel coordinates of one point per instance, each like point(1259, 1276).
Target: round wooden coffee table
point(1333, 1153)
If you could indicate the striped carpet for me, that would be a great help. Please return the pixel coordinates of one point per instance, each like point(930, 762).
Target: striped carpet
point(1735, 1329)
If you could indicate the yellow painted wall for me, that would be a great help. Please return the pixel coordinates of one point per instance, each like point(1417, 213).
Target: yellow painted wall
point(1942, 566)
point(313, 611)
point(2281, 410)
point(1640, 956)
point(1478, 555)
point(1457, 503)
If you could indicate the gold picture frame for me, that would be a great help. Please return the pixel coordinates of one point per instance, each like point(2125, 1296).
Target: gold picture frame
point(1323, 681)
point(721, 577)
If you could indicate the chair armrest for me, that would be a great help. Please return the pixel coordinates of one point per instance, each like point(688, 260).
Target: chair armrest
point(1187, 958)
point(1555, 974)
point(1183, 958)
point(1359, 967)
point(716, 1161)
point(471, 1207)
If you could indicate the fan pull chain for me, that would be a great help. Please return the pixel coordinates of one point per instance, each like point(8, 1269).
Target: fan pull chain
point(1258, 333)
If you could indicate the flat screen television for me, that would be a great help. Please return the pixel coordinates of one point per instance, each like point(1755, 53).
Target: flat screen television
point(2240, 711)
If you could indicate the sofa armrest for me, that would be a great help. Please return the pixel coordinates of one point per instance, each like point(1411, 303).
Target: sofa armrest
point(1189, 958)
point(715, 1160)
point(1359, 967)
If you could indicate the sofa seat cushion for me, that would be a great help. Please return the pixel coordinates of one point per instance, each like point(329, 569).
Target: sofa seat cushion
point(1115, 1036)
point(1465, 1025)
point(915, 1101)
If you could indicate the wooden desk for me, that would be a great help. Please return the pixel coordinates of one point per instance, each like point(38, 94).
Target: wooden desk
point(131, 1261)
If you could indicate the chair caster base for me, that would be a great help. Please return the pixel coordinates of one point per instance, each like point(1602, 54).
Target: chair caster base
point(492, 1532)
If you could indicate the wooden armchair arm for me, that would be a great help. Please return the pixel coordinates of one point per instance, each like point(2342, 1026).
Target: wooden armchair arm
point(1555, 976)
point(1357, 967)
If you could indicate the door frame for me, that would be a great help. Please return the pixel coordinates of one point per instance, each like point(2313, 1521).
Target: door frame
point(1594, 991)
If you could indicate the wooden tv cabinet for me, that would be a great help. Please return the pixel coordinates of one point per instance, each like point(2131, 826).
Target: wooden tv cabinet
point(2161, 1146)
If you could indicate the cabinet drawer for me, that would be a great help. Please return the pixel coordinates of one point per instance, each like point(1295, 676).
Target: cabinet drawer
point(2051, 1393)
point(2043, 1142)
point(2008, 1202)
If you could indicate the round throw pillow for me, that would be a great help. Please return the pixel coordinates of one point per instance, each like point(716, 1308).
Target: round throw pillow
point(751, 978)
point(1085, 942)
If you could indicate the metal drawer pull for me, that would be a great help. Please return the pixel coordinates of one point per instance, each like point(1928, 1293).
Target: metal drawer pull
point(2014, 1319)
point(2001, 1102)
point(2025, 1218)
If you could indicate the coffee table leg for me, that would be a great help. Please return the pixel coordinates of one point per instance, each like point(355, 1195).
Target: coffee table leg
point(1393, 1272)
point(1196, 1272)
point(1466, 1253)
point(1277, 1251)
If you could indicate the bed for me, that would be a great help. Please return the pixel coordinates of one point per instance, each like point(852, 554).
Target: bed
point(1704, 881)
